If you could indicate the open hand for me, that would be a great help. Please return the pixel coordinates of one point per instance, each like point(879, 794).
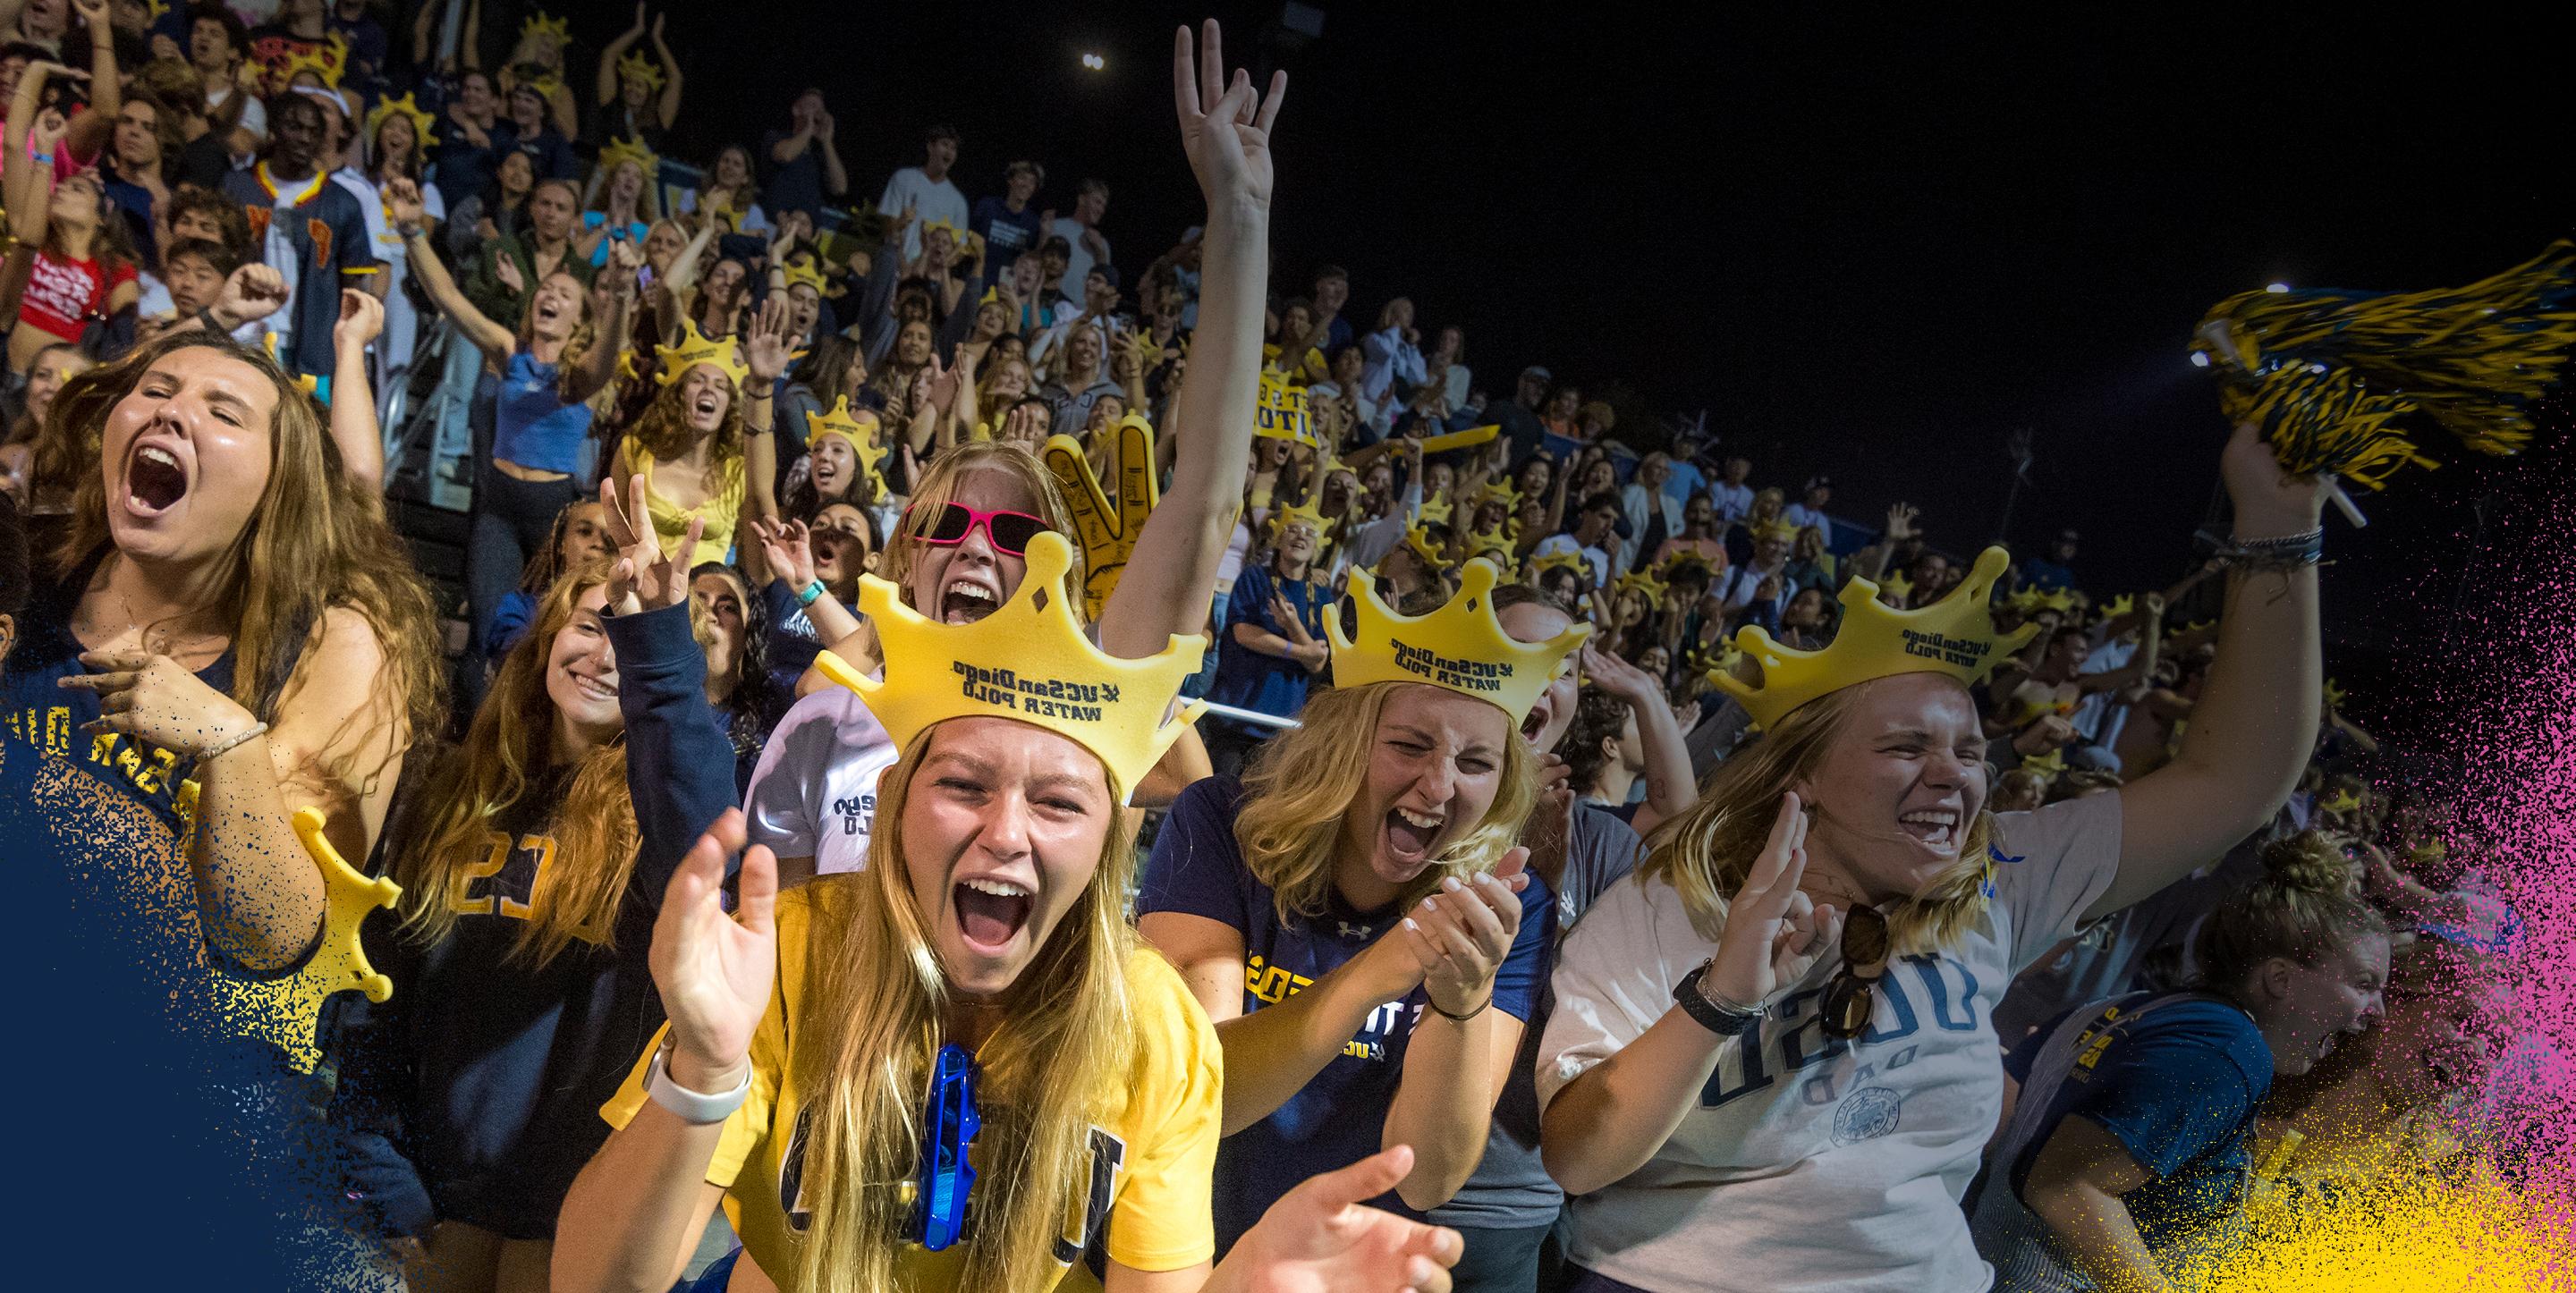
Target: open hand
point(789, 548)
point(764, 344)
point(154, 698)
point(714, 970)
point(1322, 1237)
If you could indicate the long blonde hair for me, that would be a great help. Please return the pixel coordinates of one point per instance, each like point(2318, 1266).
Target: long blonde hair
point(318, 541)
point(1706, 852)
point(506, 758)
point(1304, 779)
point(938, 485)
point(1067, 1037)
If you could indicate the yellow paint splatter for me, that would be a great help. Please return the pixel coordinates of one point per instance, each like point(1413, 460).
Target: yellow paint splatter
point(2405, 1231)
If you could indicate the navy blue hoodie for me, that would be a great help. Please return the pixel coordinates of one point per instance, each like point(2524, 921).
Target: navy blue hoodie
point(473, 1094)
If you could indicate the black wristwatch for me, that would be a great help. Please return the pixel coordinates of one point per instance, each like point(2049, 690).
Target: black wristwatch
point(1708, 1014)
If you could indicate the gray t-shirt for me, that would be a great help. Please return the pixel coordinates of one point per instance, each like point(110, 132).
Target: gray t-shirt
point(1511, 1189)
point(1810, 1164)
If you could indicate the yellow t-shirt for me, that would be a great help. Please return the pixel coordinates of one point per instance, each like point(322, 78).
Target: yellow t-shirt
point(1158, 1126)
point(723, 510)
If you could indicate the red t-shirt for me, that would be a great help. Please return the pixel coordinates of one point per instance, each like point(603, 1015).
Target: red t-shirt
point(63, 295)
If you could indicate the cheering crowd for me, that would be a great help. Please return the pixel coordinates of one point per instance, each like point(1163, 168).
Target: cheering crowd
point(1520, 850)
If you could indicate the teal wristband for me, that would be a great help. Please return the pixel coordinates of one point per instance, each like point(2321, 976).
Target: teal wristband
point(811, 593)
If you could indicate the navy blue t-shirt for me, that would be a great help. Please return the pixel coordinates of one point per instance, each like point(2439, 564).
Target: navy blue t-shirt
point(1339, 1118)
point(2177, 1086)
point(1007, 234)
point(1247, 679)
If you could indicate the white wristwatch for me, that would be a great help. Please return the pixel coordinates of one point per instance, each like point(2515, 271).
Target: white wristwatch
point(696, 1108)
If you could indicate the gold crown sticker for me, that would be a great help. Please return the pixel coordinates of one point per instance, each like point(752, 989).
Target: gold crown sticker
point(1461, 647)
point(1954, 636)
point(1024, 661)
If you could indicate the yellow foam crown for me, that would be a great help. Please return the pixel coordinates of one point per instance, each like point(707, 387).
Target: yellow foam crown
point(1026, 662)
point(422, 124)
point(1562, 558)
point(694, 349)
point(637, 68)
point(618, 152)
point(802, 271)
point(1283, 517)
point(1460, 647)
point(1954, 637)
point(542, 23)
point(285, 1010)
point(1641, 583)
point(1425, 547)
point(859, 428)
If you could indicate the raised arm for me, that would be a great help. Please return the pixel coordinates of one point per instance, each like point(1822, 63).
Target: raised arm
point(1670, 787)
point(1608, 1122)
point(669, 105)
point(636, 1211)
point(1172, 573)
point(2256, 721)
point(612, 312)
point(92, 129)
point(354, 429)
point(607, 76)
point(402, 202)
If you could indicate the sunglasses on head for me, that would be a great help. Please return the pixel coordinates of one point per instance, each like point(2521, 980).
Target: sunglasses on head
point(1852, 997)
point(1008, 532)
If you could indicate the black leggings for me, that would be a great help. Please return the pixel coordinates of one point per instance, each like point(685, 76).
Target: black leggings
point(512, 520)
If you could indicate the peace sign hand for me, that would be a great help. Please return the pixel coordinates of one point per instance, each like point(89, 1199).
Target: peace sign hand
point(1225, 128)
point(1107, 528)
point(646, 578)
point(1774, 933)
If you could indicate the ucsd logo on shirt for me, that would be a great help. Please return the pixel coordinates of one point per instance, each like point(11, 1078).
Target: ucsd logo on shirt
point(1928, 1009)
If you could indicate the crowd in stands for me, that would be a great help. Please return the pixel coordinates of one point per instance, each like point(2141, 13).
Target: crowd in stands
point(1595, 868)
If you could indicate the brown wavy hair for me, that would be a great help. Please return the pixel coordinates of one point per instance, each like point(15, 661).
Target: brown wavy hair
point(317, 542)
point(507, 760)
point(877, 996)
point(663, 427)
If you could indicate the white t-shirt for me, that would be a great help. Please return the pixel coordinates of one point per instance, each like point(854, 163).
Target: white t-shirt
point(814, 792)
point(1071, 230)
point(1733, 502)
point(930, 199)
point(1814, 1165)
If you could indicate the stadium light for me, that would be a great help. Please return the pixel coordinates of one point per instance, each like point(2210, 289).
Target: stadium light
point(2276, 287)
point(1094, 62)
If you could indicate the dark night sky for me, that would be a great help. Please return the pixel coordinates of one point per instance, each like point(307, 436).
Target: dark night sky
point(1866, 244)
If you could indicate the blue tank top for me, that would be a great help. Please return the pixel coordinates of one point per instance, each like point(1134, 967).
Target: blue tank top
point(49, 717)
point(532, 426)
